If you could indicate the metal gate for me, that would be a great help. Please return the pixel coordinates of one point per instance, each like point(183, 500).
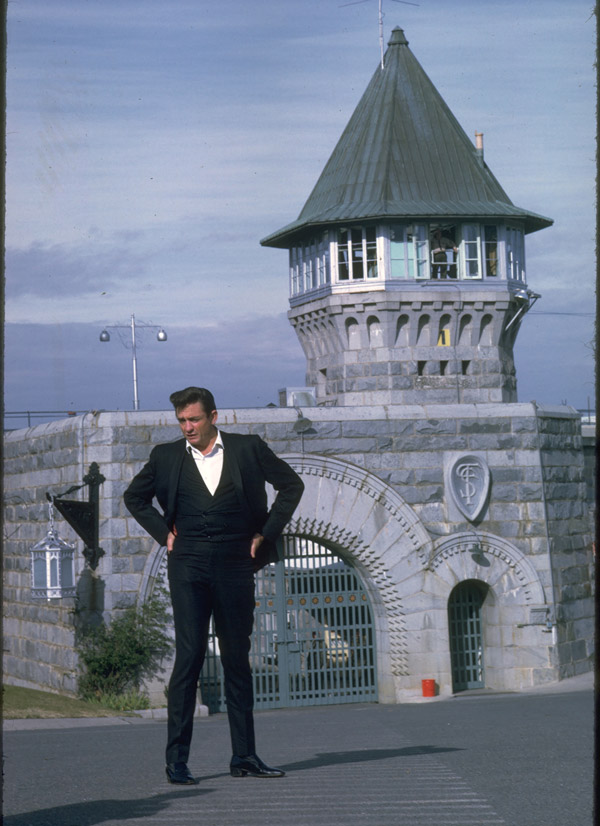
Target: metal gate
point(313, 640)
point(466, 643)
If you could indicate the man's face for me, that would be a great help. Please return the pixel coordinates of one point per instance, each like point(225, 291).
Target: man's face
point(196, 424)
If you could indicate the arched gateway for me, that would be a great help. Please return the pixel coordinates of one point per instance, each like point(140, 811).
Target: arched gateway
point(313, 640)
point(353, 541)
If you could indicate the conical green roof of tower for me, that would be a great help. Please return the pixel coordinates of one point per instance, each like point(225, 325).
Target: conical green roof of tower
point(403, 155)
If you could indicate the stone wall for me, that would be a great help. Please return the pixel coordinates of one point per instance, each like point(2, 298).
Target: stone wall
point(444, 343)
point(565, 491)
point(376, 492)
point(38, 635)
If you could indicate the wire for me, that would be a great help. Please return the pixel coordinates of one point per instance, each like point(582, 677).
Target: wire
point(558, 312)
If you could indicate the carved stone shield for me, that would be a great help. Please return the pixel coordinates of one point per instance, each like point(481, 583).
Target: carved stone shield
point(470, 484)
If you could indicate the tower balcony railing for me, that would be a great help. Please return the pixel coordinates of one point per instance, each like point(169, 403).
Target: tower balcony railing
point(405, 285)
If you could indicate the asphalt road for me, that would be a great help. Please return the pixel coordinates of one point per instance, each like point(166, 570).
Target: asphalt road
point(476, 760)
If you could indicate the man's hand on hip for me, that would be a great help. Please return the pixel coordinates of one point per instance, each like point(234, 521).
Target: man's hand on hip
point(257, 540)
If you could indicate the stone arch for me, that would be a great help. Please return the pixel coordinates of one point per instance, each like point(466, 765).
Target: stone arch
point(155, 571)
point(304, 334)
point(402, 339)
point(490, 559)
point(486, 331)
point(375, 331)
point(444, 325)
point(515, 596)
point(465, 330)
point(423, 331)
point(325, 338)
point(334, 337)
point(363, 519)
point(353, 334)
point(407, 576)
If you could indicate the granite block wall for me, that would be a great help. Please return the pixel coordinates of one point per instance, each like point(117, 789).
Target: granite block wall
point(535, 528)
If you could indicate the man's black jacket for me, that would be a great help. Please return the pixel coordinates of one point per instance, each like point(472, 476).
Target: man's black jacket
point(251, 463)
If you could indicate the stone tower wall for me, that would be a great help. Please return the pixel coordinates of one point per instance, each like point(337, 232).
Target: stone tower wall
point(384, 347)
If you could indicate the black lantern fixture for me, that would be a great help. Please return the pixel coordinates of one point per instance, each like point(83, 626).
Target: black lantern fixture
point(52, 565)
point(83, 517)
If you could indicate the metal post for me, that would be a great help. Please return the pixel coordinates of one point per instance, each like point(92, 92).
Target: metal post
point(136, 401)
point(161, 336)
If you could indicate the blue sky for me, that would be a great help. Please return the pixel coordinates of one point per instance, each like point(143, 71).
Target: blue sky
point(151, 145)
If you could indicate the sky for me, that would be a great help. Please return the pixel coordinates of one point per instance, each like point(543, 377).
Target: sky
point(151, 145)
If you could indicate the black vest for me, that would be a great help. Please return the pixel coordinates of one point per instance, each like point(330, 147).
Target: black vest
point(200, 515)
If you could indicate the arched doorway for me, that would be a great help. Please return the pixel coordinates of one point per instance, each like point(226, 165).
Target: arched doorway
point(313, 640)
point(466, 639)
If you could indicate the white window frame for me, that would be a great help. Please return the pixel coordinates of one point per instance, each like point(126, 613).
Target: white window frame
point(481, 259)
point(361, 255)
point(484, 251)
point(294, 272)
point(462, 253)
point(514, 252)
point(415, 242)
point(310, 265)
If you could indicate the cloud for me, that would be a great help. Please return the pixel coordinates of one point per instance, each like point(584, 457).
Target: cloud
point(152, 145)
point(59, 271)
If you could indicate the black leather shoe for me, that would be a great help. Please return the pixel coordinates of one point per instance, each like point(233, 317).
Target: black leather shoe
point(180, 774)
point(252, 766)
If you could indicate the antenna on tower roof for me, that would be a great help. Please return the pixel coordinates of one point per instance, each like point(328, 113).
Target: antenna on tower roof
point(381, 16)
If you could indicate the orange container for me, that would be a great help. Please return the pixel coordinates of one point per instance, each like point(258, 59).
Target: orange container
point(428, 687)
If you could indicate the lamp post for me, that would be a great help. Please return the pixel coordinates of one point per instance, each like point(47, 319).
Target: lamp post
point(526, 299)
point(160, 336)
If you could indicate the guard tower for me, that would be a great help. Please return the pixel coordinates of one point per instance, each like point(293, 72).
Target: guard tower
point(407, 262)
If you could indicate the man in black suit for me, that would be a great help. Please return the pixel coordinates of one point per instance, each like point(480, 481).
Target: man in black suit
point(218, 531)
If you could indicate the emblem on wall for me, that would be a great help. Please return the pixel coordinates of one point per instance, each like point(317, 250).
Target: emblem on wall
point(469, 484)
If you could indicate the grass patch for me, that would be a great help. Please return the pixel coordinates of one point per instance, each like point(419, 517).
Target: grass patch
point(128, 701)
point(27, 703)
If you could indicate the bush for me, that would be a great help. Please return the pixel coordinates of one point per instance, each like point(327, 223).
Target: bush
point(118, 657)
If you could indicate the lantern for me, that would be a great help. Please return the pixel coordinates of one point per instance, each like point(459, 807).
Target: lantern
point(52, 566)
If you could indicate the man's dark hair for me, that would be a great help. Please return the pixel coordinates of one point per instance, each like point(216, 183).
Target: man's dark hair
point(181, 398)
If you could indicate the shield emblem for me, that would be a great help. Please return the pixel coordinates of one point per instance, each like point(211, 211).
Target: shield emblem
point(469, 485)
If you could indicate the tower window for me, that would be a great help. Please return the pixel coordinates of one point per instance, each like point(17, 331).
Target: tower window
point(480, 250)
point(444, 251)
point(515, 254)
point(309, 265)
point(471, 251)
point(408, 251)
point(490, 235)
point(357, 254)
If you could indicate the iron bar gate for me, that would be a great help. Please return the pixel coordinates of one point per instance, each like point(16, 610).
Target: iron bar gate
point(466, 642)
point(313, 640)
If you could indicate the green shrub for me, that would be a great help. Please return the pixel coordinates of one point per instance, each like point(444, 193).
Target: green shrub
point(118, 657)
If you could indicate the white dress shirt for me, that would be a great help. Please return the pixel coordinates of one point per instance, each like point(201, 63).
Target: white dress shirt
point(209, 465)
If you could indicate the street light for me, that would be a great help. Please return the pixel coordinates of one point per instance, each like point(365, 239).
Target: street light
point(160, 336)
point(526, 299)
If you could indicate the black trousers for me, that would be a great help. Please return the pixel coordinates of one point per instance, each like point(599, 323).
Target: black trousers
point(211, 579)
